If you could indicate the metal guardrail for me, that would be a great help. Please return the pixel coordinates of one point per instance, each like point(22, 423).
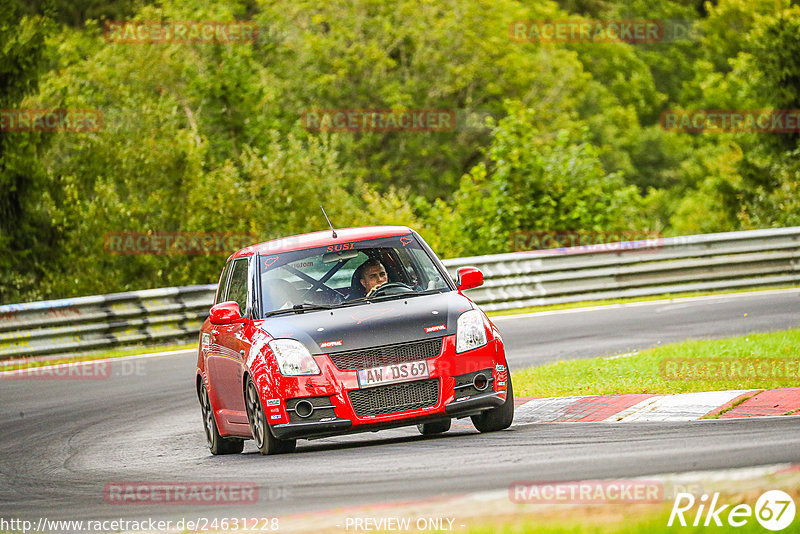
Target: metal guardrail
point(640, 268)
point(82, 324)
point(705, 262)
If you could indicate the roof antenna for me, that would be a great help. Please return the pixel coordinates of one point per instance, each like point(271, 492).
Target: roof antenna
point(329, 221)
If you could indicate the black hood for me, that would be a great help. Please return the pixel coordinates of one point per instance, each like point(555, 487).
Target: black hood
point(368, 325)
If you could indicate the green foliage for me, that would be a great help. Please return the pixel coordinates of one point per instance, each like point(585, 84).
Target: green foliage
point(77, 12)
point(755, 184)
point(26, 233)
point(670, 60)
point(420, 55)
point(534, 182)
point(727, 24)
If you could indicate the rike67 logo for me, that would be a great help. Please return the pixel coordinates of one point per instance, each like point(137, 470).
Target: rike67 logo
point(774, 510)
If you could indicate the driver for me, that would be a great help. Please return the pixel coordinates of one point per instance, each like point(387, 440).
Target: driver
point(373, 275)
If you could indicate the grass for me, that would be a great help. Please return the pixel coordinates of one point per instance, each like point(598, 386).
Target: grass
point(113, 353)
point(618, 519)
point(629, 300)
point(642, 518)
point(744, 362)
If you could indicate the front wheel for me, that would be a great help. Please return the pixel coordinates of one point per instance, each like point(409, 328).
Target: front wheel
point(265, 441)
point(498, 418)
point(216, 443)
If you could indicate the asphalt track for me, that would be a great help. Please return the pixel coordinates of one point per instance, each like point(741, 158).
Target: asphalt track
point(64, 440)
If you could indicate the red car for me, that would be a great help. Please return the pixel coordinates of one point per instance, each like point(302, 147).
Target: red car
point(346, 331)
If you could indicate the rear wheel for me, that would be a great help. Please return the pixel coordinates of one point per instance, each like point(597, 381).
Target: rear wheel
point(216, 443)
point(265, 441)
point(498, 418)
point(436, 427)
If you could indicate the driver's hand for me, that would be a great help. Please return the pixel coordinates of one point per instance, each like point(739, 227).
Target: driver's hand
point(373, 290)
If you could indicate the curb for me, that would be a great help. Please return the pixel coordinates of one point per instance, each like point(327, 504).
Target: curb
point(631, 408)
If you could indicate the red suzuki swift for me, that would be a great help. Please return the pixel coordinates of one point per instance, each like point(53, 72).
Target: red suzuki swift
point(348, 331)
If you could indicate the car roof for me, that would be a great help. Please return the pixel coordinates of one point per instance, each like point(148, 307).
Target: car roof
point(321, 239)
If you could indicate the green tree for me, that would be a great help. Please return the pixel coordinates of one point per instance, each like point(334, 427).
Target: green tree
point(27, 236)
point(534, 183)
point(423, 55)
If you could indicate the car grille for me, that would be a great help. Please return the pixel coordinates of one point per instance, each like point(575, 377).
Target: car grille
point(354, 360)
point(395, 398)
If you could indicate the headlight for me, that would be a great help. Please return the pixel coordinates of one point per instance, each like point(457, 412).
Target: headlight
point(471, 331)
point(293, 358)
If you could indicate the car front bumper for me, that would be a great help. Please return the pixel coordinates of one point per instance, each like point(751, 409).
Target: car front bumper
point(450, 371)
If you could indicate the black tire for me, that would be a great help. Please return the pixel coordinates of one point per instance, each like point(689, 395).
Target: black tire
point(265, 441)
point(436, 427)
point(216, 443)
point(498, 418)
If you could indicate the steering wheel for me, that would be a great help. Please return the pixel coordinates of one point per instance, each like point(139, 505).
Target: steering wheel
point(333, 295)
point(390, 285)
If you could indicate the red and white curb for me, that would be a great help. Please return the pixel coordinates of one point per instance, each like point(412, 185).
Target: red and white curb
point(646, 407)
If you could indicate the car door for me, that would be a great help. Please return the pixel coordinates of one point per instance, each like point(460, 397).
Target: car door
point(226, 364)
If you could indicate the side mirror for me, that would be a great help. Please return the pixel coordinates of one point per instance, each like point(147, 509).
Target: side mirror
point(225, 313)
point(469, 277)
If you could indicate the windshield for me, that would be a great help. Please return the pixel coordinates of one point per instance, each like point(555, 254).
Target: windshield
point(347, 274)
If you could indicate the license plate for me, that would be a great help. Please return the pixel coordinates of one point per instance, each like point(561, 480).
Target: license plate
point(392, 374)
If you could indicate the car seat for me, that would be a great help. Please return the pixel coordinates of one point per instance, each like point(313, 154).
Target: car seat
point(357, 290)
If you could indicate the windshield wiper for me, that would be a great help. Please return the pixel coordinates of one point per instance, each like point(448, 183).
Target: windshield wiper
point(299, 308)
